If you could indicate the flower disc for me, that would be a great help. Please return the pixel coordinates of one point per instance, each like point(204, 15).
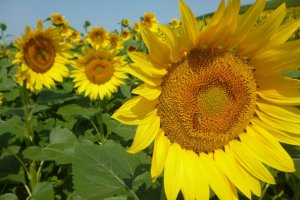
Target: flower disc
point(99, 71)
point(39, 54)
point(209, 97)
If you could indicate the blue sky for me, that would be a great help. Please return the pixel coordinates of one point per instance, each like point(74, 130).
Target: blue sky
point(107, 13)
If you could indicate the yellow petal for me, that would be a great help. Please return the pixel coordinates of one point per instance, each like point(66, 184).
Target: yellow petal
point(145, 134)
point(158, 51)
point(173, 40)
point(284, 32)
point(147, 91)
point(137, 110)
point(281, 136)
point(267, 149)
point(173, 175)
point(246, 159)
point(279, 90)
point(259, 37)
point(216, 179)
point(142, 60)
point(190, 26)
point(253, 183)
point(285, 113)
point(160, 152)
point(248, 19)
point(279, 124)
point(194, 183)
point(140, 74)
point(232, 170)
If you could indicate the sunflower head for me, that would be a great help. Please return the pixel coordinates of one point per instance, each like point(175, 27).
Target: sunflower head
point(57, 19)
point(116, 41)
point(136, 27)
point(174, 23)
point(215, 102)
point(41, 57)
point(98, 37)
point(125, 22)
point(126, 34)
point(98, 73)
point(149, 20)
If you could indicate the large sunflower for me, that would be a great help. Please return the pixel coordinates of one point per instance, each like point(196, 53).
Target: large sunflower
point(42, 57)
point(215, 102)
point(99, 72)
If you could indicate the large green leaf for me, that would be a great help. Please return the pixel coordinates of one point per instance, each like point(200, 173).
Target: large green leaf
point(104, 171)
point(60, 149)
point(76, 110)
point(43, 191)
point(8, 196)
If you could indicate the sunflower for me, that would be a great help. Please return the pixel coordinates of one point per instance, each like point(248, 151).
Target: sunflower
point(215, 102)
point(98, 37)
point(99, 72)
point(42, 57)
point(149, 20)
point(126, 34)
point(174, 23)
point(115, 40)
point(57, 19)
point(125, 22)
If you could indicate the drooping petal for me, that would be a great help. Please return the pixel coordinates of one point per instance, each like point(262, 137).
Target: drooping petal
point(267, 149)
point(281, 136)
point(145, 134)
point(194, 183)
point(173, 175)
point(232, 170)
point(138, 110)
point(160, 152)
point(285, 113)
point(245, 158)
point(147, 91)
point(216, 179)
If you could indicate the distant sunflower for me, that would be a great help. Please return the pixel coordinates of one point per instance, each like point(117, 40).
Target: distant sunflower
point(215, 102)
point(57, 19)
point(125, 22)
point(98, 73)
point(174, 23)
point(42, 57)
point(115, 40)
point(98, 37)
point(149, 20)
point(126, 34)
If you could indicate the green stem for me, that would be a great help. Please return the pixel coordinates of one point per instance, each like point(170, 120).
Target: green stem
point(135, 197)
point(25, 101)
point(264, 191)
point(162, 193)
point(101, 131)
point(296, 192)
point(39, 171)
point(32, 176)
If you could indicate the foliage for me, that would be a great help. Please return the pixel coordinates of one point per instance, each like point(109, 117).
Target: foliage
point(68, 147)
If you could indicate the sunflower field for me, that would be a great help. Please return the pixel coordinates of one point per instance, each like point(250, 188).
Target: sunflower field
point(200, 108)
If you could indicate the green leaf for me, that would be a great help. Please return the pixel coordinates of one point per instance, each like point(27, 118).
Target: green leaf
point(104, 171)
point(43, 191)
point(49, 97)
point(125, 131)
point(8, 196)
point(60, 149)
point(76, 110)
point(125, 90)
point(61, 135)
point(14, 125)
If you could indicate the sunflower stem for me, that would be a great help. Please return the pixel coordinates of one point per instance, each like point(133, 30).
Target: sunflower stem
point(27, 118)
point(32, 175)
point(264, 191)
point(100, 123)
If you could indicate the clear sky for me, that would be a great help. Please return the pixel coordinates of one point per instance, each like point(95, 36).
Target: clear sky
point(107, 13)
